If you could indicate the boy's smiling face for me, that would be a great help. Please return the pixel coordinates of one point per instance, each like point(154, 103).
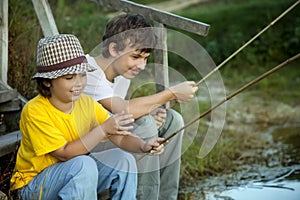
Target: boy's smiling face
point(67, 89)
point(130, 62)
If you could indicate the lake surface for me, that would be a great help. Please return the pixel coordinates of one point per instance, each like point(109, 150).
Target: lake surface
point(279, 179)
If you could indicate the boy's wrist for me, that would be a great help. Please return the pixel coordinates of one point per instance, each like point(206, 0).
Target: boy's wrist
point(102, 132)
point(171, 93)
point(144, 148)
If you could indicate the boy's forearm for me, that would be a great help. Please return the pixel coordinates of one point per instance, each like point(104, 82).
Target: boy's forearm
point(130, 143)
point(80, 146)
point(144, 105)
point(137, 106)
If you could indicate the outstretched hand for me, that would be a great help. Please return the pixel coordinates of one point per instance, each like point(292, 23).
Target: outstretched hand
point(118, 124)
point(160, 115)
point(185, 91)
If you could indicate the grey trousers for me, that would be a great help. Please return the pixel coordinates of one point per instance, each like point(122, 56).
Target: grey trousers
point(158, 176)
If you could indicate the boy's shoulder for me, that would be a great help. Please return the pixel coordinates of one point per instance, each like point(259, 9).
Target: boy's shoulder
point(36, 105)
point(86, 99)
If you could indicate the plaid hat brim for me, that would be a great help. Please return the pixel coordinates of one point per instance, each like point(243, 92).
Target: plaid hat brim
point(75, 69)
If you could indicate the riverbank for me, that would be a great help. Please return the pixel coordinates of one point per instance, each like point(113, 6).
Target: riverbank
point(266, 131)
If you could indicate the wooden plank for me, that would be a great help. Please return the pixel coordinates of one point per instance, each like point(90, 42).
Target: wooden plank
point(8, 142)
point(160, 16)
point(8, 95)
point(46, 19)
point(161, 60)
point(13, 105)
point(3, 40)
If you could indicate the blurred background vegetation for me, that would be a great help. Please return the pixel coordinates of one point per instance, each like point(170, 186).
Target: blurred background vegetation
point(233, 22)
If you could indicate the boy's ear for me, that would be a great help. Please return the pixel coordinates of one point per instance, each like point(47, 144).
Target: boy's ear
point(47, 84)
point(112, 47)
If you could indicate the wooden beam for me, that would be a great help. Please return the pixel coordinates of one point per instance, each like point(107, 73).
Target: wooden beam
point(160, 16)
point(8, 95)
point(4, 40)
point(161, 60)
point(8, 142)
point(46, 19)
point(10, 106)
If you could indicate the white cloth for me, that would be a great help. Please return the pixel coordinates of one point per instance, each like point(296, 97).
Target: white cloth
point(100, 88)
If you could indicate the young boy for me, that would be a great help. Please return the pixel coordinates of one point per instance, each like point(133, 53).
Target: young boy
point(127, 43)
point(61, 126)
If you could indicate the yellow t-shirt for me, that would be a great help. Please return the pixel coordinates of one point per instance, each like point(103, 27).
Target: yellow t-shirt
point(45, 129)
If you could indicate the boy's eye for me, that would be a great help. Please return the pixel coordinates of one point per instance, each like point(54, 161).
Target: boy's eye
point(68, 77)
point(82, 74)
point(135, 56)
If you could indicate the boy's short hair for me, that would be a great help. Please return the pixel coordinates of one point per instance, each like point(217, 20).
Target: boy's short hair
point(129, 29)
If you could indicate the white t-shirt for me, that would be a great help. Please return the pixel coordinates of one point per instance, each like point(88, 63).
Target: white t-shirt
point(100, 88)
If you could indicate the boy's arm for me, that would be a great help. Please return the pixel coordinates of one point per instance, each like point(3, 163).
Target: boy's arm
point(115, 125)
point(140, 106)
point(134, 144)
point(80, 146)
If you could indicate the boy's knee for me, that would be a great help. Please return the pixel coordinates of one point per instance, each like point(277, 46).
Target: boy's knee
point(175, 118)
point(118, 159)
point(145, 127)
point(84, 165)
point(128, 162)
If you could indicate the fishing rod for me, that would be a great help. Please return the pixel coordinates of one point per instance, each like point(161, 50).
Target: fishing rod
point(229, 97)
point(251, 40)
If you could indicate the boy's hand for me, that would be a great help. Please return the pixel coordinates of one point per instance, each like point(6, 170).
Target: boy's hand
point(160, 115)
point(154, 146)
point(185, 91)
point(116, 124)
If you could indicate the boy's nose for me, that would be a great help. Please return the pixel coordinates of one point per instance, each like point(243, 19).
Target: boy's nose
point(80, 79)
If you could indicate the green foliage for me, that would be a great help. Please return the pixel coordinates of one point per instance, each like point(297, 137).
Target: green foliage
point(233, 24)
point(86, 20)
point(24, 32)
point(148, 1)
point(225, 157)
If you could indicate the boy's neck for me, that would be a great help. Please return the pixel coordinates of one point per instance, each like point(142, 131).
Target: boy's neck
point(66, 107)
point(106, 65)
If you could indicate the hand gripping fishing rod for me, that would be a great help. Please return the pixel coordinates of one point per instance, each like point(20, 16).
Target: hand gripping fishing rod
point(229, 97)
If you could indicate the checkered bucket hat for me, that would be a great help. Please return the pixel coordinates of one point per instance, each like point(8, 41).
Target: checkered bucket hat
point(59, 55)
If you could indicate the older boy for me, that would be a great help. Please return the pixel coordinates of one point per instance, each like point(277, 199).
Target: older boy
point(127, 44)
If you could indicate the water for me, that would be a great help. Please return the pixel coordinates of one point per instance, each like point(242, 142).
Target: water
point(286, 189)
point(278, 180)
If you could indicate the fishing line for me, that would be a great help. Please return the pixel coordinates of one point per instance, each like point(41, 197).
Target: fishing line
point(230, 96)
point(251, 40)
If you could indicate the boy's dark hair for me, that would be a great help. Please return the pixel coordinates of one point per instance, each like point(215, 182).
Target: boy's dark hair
point(129, 29)
point(42, 89)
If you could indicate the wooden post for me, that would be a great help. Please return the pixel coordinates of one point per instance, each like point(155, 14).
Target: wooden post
point(161, 59)
point(45, 17)
point(4, 40)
